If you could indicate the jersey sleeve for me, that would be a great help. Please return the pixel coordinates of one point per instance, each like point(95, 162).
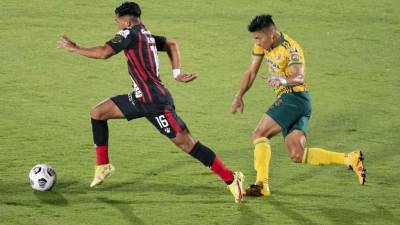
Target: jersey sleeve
point(121, 40)
point(258, 51)
point(295, 55)
point(160, 42)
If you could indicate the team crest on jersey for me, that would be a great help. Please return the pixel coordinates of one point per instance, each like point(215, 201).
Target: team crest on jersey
point(123, 33)
point(295, 57)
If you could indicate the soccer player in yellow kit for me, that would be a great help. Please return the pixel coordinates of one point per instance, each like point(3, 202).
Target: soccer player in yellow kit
point(290, 112)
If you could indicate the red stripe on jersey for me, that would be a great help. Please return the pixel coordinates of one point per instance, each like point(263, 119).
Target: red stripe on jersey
point(172, 121)
point(141, 54)
point(157, 82)
point(131, 57)
point(137, 64)
point(150, 57)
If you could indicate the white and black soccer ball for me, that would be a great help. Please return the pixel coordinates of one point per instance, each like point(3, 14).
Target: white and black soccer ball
point(42, 177)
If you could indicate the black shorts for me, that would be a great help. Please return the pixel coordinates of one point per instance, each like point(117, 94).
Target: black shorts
point(162, 116)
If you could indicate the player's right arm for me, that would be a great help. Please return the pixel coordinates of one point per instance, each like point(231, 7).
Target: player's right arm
point(247, 81)
point(99, 52)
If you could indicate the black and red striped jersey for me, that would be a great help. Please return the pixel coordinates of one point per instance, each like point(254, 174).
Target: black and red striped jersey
point(140, 48)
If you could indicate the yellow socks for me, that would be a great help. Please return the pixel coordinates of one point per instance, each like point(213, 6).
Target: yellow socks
point(262, 156)
point(319, 156)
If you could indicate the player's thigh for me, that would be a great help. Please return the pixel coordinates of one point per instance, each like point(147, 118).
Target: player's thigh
point(128, 106)
point(286, 111)
point(295, 142)
point(266, 127)
point(172, 126)
point(105, 110)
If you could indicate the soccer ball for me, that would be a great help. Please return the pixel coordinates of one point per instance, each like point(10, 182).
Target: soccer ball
point(42, 177)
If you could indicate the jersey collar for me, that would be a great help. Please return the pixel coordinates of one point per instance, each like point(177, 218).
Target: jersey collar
point(281, 40)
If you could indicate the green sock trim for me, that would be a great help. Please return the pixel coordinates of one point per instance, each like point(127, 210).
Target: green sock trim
point(261, 140)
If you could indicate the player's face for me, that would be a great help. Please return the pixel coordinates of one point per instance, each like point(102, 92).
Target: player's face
point(121, 22)
point(263, 38)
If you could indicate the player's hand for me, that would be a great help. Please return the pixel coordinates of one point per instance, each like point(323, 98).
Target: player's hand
point(65, 43)
point(271, 81)
point(237, 103)
point(186, 77)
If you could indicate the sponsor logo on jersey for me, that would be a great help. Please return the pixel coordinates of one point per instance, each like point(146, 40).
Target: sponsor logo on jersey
point(130, 98)
point(136, 90)
point(116, 39)
point(272, 63)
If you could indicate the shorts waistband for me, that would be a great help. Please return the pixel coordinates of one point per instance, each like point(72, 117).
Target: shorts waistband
point(291, 90)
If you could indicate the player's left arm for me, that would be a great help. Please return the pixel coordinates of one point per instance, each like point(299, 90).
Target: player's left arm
point(171, 47)
point(296, 77)
point(100, 52)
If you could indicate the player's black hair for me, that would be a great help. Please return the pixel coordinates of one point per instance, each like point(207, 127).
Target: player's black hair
point(128, 8)
point(260, 22)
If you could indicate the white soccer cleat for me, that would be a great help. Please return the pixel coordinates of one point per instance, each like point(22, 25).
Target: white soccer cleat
point(101, 172)
point(236, 187)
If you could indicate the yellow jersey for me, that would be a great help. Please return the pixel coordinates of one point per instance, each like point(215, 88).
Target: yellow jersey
point(279, 58)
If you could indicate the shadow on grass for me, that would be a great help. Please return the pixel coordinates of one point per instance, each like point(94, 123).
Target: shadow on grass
point(290, 211)
point(354, 216)
point(249, 216)
point(169, 188)
point(306, 195)
point(71, 187)
point(305, 176)
point(125, 208)
point(51, 198)
point(141, 184)
point(211, 194)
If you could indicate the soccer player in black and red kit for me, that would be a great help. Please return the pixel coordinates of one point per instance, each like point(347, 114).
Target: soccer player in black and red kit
point(149, 99)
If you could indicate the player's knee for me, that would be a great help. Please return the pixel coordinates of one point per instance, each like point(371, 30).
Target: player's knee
point(256, 134)
point(296, 158)
point(296, 155)
point(96, 114)
point(186, 147)
point(184, 141)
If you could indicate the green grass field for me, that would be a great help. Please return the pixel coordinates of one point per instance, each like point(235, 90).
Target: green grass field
point(351, 49)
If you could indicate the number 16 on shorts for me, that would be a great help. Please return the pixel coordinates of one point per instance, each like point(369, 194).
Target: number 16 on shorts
point(163, 123)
